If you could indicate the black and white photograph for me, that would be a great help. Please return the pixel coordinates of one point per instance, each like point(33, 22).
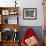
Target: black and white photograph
point(30, 13)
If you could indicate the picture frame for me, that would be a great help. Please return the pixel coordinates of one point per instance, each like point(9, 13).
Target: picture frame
point(5, 12)
point(0, 36)
point(30, 13)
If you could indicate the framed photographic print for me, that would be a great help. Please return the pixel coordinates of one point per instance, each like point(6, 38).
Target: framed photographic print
point(29, 13)
point(5, 12)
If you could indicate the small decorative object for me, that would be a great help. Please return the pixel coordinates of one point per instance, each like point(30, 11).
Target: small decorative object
point(15, 30)
point(30, 13)
point(15, 36)
point(13, 12)
point(6, 21)
point(5, 12)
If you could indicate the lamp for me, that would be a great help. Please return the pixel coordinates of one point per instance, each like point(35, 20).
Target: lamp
point(15, 30)
point(15, 3)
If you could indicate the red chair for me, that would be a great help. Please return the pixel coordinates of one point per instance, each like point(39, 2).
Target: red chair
point(29, 33)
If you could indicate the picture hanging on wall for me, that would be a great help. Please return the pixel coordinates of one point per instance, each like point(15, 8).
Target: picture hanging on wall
point(29, 13)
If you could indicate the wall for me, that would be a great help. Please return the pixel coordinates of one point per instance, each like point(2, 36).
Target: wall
point(31, 4)
point(27, 4)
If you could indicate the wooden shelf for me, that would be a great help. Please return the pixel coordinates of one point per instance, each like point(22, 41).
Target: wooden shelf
point(9, 10)
point(11, 26)
point(10, 43)
point(4, 12)
point(3, 8)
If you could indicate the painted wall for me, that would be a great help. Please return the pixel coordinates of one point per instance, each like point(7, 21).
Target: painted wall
point(32, 4)
point(26, 4)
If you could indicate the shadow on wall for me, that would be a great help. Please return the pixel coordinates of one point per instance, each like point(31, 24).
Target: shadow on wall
point(37, 29)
